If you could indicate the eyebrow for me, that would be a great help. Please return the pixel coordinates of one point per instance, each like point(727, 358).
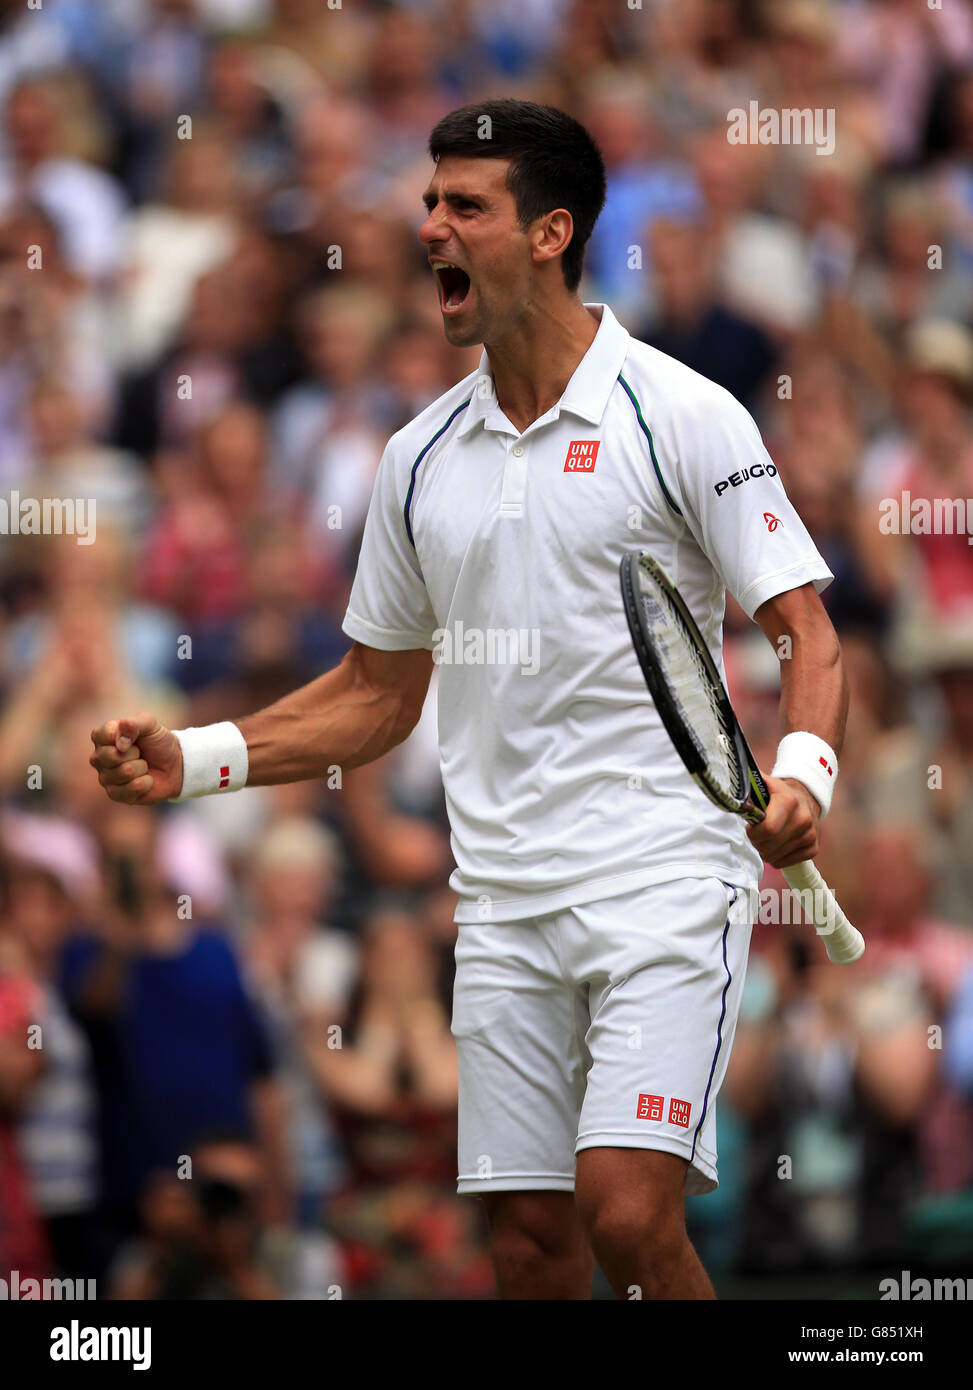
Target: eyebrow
point(430, 198)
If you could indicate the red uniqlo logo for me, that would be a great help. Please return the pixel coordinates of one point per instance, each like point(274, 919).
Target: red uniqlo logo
point(224, 776)
point(679, 1112)
point(827, 766)
point(581, 456)
point(650, 1107)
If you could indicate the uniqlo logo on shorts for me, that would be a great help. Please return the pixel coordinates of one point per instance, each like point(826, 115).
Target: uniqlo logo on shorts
point(650, 1107)
point(679, 1112)
point(581, 456)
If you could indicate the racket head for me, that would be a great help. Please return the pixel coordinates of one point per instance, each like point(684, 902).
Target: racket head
point(687, 689)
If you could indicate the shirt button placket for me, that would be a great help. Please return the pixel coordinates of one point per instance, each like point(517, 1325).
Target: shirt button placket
point(514, 481)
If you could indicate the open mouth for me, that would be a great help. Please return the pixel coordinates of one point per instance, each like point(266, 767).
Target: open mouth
point(454, 286)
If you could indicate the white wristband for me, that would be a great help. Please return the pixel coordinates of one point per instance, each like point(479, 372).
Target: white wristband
point(214, 759)
point(809, 760)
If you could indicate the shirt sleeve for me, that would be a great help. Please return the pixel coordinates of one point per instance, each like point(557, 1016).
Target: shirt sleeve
point(389, 606)
point(732, 499)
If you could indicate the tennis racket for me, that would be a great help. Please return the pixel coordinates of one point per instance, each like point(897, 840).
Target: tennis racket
point(696, 712)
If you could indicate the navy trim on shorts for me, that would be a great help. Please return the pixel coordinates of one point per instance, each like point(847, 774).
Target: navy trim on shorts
point(415, 466)
point(719, 1029)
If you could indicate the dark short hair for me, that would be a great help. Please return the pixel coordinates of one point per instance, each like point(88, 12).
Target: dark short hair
point(554, 163)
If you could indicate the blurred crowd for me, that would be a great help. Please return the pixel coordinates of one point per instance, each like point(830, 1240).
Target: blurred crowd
point(213, 313)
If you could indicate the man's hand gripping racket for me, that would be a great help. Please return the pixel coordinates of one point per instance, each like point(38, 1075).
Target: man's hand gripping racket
point(696, 712)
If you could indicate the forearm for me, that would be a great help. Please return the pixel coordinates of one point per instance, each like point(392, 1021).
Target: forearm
point(271, 1116)
point(431, 1054)
point(342, 719)
point(345, 718)
point(814, 689)
point(896, 1070)
point(753, 1066)
point(358, 1078)
point(814, 692)
point(813, 711)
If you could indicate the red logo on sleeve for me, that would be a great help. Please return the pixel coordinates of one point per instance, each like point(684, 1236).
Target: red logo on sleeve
point(650, 1107)
point(224, 776)
point(581, 456)
point(679, 1112)
point(772, 521)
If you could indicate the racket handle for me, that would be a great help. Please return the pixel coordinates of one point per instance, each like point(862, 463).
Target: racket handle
point(843, 942)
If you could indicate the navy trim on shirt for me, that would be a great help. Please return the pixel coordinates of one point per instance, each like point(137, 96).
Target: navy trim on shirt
point(415, 466)
point(648, 434)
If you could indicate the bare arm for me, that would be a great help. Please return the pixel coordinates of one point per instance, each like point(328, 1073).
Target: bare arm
point(814, 691)
point(753, 1066)
point(353, 714)
point(814, 697)
point(393, 848)
point(369, 703)
point(360, 1075)
point(271, 1116)
point(896, 1069)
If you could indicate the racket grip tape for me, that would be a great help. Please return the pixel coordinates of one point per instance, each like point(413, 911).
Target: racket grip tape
point(843, 942)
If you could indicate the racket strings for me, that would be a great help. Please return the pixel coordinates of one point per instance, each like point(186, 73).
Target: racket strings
point(701, 706)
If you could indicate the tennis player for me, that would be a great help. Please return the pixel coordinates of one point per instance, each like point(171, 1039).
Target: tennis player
point(604, 903)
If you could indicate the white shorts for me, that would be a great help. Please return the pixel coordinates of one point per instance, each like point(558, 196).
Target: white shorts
point(605, 1025)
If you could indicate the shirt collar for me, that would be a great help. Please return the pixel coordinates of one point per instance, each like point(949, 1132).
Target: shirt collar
point(586, 394)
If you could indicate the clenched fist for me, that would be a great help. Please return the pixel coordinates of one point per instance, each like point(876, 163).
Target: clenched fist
point(788, 834)
point(138, 761)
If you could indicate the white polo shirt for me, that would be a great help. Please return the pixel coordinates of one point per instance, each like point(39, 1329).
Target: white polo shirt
point(499, 551)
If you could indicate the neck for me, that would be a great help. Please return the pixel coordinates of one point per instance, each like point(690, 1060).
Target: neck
point(535, 359)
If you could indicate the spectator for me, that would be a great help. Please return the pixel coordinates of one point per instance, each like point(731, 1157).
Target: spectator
point(902, 933)
point(59, 323)
point(392, 1086)
point(763, 263)
point(91, 635)
point(896, 52)
point(84, 202)
point(927, 566)
point(832, 1081)
point(304, 973)
point(250, 120)
point(194, 558)
point(203, 1237)
point(56, 1126)
point(691, 324)
point(169, 243)
point(178, 1043)
point(158, 76)
point(907, 282)
point(211, 328)
point(328, 428)
point(23, 1244)
point(641, 186)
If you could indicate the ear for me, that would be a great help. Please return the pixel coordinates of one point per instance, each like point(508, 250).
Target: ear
point(551, 235)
